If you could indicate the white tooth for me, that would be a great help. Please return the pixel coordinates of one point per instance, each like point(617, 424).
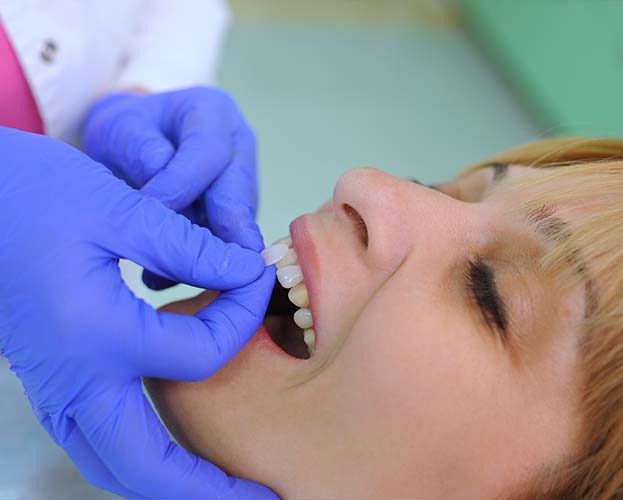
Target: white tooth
point(274, 253)
point(299, 296)
point(289, 259)
point(303, 318)
point(309, 336)
point(286, 240)
point(289, 276)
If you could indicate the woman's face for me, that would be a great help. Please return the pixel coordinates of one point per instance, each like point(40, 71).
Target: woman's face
point(446, 364)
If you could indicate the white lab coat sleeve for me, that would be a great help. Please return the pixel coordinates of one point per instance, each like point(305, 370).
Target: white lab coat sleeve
point(176, 44)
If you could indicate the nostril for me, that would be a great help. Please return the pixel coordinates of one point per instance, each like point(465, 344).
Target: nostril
point(357, 221)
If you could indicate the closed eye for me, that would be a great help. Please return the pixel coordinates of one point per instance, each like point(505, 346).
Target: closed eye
point(480, 277)
point(482, 287)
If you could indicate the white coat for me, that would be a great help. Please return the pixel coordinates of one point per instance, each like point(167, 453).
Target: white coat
point(73, 51)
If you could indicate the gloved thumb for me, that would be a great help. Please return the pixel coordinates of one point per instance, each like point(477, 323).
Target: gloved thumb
point(140, 228)
point(126, 140)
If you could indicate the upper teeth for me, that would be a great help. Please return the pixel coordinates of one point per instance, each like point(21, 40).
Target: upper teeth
point(298, 295)
point(290, 276)
point(288, 259)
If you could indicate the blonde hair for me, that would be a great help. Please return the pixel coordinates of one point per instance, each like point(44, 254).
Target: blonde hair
point(586, 174)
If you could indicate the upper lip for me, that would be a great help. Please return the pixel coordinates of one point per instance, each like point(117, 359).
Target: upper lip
point(306, 252)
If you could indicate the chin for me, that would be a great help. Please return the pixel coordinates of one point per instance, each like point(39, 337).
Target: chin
point(232, 419)
point(213, 418)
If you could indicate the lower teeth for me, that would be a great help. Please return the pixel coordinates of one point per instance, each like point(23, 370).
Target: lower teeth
point(309, 336)
point(280, 325)
point(287, 336)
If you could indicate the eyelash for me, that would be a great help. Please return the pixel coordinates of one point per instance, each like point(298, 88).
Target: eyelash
point(482, 287)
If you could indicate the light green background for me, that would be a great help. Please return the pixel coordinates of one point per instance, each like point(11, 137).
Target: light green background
point(563, 57)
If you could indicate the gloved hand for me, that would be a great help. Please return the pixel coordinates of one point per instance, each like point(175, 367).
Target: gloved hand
point(79, 340)
point(191, 149)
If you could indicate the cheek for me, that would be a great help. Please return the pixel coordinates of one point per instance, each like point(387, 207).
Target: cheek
point(235, 419)
point(415, 365)
point(418, 384)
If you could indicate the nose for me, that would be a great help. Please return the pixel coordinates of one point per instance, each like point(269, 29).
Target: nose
point(399, 215)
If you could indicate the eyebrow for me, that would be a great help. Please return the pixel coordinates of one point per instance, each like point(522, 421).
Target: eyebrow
point(430, 186)
point(555, 230)
point(500, 171)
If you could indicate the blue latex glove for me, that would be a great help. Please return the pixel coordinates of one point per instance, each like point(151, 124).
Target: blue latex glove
point(191, 149)
point(79, 340)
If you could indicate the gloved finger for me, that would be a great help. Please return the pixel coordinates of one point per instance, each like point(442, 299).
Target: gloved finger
point(143, 230)
point(204, 150)
point(131, 146)
point(196, 214)
point(182, 347)
point(231, 200)
point(91, 467)
point(132, 443)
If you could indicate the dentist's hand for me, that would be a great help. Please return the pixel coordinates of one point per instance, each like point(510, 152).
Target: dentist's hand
point(79, 340)
point(191, 149)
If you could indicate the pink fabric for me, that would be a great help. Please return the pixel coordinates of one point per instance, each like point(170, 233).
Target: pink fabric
point(18, 108)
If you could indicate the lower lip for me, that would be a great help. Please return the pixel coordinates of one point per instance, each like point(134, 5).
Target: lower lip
point(262, 342)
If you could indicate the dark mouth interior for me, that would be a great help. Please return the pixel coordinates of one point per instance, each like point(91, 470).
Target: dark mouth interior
point(279, 324)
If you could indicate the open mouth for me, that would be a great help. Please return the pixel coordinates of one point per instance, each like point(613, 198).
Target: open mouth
point(288, 319)
point(280, 325)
